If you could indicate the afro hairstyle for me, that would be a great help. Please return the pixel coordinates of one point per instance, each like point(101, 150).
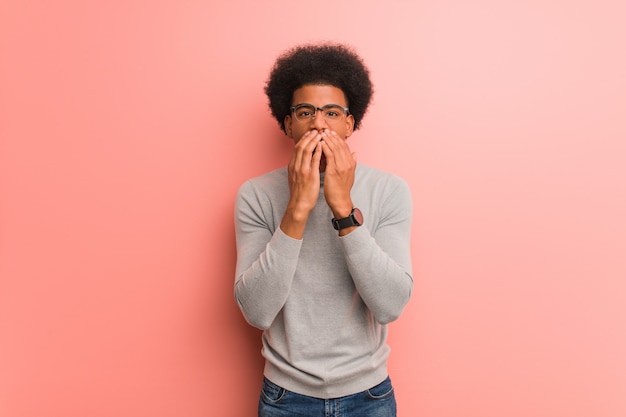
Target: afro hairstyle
point(323, 64)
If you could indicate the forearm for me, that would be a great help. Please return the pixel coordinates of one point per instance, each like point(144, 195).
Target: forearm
point(262, 288)
point(383, 283)
point(294, 221)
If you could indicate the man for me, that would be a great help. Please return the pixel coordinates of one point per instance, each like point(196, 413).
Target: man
point(323, 259)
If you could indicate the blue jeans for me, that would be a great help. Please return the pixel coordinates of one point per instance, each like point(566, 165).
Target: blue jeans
point(378, 401)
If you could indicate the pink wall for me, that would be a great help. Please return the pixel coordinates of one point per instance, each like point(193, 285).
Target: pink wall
point(126, 128)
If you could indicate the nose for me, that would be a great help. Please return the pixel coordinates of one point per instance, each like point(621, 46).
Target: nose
point(319, 121)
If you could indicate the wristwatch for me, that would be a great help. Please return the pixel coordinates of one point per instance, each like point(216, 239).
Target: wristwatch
point(354, 219)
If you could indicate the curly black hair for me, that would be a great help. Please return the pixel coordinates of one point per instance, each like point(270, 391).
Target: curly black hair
point(322, 64)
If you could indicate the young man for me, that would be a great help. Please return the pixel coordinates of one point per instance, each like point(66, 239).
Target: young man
point(323, 259)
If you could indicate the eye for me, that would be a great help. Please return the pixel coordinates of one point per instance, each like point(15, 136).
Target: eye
point(303, 113)
point(333, 112)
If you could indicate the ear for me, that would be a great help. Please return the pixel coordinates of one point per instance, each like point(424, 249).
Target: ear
point(287, 122)
point(349, 125)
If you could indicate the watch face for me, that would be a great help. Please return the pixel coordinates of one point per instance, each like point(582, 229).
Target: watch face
point(358, 216)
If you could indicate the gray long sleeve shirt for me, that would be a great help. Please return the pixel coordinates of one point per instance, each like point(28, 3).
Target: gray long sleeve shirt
point(324, 302)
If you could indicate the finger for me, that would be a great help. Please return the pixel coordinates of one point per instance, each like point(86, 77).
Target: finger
point(336, 149)
point(317, 156)
point(304, 149)
point(335, 142)
point(312, 150)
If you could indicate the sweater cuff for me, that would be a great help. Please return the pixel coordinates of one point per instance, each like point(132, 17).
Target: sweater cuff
point(356, 239)
point(286, 245)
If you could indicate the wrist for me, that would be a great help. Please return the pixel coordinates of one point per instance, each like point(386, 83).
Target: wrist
point(297, 213)
point(346, 224)
point(342, 210)
point(294, 222)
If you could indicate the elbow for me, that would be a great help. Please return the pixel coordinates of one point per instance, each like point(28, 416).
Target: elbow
point(386, 317)
point(259, 322)
point(388, 313)
point(254, 318)
point(257, 311)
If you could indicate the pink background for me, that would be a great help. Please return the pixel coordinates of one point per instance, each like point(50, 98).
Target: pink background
point(126, 128)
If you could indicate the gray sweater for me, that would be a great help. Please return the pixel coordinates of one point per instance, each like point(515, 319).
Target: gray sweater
point(324, 302)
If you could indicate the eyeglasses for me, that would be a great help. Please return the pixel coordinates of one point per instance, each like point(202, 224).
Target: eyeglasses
point(331, 112)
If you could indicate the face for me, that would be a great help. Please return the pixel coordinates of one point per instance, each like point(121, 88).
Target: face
point(319, 96)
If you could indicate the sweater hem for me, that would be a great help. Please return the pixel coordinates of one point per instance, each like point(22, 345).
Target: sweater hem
point(325, 389)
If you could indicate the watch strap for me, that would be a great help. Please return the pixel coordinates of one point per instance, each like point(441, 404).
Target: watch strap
point(344, 223)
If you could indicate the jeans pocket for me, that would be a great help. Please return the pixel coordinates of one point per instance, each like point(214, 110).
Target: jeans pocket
point(271, 392)
point(381, 391)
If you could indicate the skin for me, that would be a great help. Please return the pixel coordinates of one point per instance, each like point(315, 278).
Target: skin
point(319, 146)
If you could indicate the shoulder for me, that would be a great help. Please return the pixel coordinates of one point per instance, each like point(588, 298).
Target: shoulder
point(268, 183)
point(370, 177)
point(381, 192)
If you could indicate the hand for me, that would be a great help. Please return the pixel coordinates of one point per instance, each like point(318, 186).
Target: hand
point(304, 171)
point(339, 178)
point(304, 183)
